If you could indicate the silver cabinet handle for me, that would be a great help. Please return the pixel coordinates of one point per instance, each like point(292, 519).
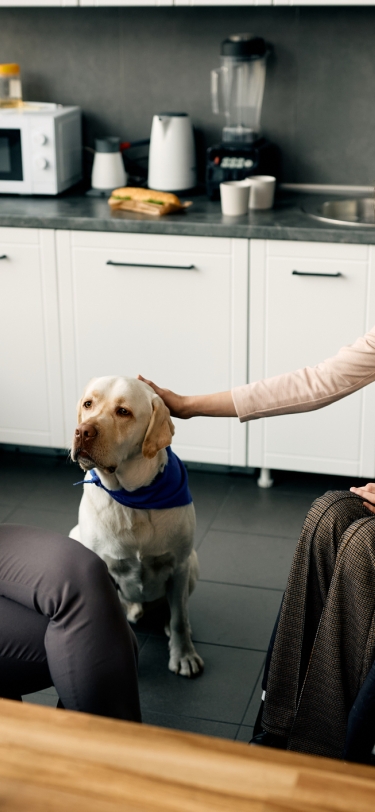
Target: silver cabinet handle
point(4, 256)
point(311, 273)
point(143, 265)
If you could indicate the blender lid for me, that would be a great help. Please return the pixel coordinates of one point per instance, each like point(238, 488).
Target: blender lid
point(245, 45)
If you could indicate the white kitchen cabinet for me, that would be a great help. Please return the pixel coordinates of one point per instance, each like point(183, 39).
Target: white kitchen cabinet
point(19, 3)
point(223, 2)
point(126, 2)
point(298, 320)
point(30, 373)
point(323, 2)
point(173, 308)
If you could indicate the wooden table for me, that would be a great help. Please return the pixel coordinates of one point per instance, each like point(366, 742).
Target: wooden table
point(57, 761)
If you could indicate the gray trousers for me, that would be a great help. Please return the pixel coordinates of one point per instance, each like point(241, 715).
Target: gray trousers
point(61, 624)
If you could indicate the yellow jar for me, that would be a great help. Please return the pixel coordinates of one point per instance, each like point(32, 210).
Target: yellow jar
point(10, 85)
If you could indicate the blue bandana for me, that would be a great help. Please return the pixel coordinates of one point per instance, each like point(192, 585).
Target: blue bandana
point(169, 489)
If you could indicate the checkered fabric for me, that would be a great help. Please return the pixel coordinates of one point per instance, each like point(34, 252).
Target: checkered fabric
point(325, 640)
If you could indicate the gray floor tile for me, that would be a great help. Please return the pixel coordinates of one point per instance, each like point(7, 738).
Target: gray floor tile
point(208, 492)
point(51, 691)
point(316, 484)
point(191, 725)
point(17, 484)
point(265, 512)
point(59, 521)
point(141, 638)
point(221, 693)
point(41, 698)
point(243, 558)
point(233, 615)
point(244, 734)
point(16, 461)
point(254, 705)
point(57, 491)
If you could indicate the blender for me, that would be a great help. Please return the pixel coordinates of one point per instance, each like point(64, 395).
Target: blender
point(237, 89)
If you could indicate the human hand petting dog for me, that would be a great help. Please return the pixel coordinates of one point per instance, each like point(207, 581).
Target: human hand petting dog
point(368, 494)
point(220, 404)
point(176, 404)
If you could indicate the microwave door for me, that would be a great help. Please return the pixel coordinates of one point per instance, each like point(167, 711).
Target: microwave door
point(15, 168)
point(10, 155)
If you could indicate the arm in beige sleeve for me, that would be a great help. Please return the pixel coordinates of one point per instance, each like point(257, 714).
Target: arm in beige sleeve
point(312, 387)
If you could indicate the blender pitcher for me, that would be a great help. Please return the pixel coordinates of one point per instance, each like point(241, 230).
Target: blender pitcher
point(237, 87)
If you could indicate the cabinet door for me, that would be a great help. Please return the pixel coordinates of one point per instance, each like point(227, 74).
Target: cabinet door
point(30, 374)
point(323, 2)
point(173, 308)
point(14, 3)
point(223, 2)
point(298, 321)
point(126, 2)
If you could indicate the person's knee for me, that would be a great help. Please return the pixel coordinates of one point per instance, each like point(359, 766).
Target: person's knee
point(336, 504)
point(359, 539)
point(80, 567)
point(330, 499)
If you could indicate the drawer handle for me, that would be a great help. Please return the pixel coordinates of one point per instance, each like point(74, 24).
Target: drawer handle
point(143, 265)
point(4, 256)
point(311, 273)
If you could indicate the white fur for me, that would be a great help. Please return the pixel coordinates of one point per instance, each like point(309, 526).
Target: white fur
point(149, 553)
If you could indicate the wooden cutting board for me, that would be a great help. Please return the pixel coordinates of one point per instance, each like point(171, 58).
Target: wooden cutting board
point(58, 761)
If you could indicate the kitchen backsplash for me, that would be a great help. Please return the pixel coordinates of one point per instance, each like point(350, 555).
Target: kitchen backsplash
point(121, 65)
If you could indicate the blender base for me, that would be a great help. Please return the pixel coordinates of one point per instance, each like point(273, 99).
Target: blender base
point(236, 161)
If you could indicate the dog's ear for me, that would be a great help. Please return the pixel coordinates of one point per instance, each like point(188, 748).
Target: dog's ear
point(160, 429)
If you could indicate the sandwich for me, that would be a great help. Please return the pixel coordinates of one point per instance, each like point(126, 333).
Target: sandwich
point(145, 201)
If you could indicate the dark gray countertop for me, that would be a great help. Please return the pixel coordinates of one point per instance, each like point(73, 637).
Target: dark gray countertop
point(204, 219)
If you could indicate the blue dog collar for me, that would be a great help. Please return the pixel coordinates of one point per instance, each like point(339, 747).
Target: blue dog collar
point(169, 489)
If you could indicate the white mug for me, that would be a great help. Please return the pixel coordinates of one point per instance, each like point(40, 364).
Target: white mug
point(262, 191)
point(235, 197)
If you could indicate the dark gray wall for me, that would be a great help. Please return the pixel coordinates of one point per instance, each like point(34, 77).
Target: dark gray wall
point(121, 65)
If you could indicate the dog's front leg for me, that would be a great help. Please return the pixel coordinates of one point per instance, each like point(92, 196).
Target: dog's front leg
point(183, 658)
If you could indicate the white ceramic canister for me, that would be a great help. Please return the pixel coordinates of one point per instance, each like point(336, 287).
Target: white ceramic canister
point(234, 195)
point(262, 191)
point(108, 169)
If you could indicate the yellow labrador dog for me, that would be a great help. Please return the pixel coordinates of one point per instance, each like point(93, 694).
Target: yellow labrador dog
point(136, 510)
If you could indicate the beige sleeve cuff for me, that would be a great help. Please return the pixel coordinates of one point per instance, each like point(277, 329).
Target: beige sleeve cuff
point(242, 402)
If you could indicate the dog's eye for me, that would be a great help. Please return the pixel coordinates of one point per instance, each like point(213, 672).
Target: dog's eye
point(122, 412)
point(87, 404)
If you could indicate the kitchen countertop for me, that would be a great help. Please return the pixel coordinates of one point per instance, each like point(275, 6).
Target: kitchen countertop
point(285, 221)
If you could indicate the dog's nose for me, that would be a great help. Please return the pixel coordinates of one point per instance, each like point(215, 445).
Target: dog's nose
point(85, 432)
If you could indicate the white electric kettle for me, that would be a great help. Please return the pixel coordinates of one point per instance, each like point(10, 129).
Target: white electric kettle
point(171, 165)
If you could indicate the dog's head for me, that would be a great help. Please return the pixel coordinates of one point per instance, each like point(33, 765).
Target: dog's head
point(119, 418)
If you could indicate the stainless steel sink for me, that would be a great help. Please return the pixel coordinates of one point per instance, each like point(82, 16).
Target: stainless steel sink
point(358, 212)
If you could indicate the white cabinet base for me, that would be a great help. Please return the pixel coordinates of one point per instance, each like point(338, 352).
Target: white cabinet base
point(265, 480)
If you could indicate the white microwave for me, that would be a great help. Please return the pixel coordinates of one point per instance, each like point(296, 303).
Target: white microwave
point(40, 149)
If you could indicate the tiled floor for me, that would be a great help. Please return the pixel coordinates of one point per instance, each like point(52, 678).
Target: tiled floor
point(245, 541)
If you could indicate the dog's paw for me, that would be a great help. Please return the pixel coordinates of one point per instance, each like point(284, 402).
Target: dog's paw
point(189, 664)
point(134, 611)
